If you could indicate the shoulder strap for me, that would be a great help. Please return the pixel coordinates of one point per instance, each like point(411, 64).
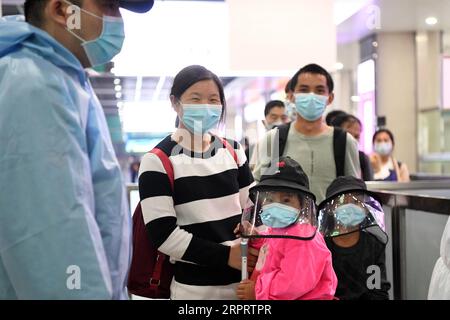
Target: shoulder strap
point(283, 132)
point(230, 150)
point(167, 164)
point(156, 274)
point(339, 147)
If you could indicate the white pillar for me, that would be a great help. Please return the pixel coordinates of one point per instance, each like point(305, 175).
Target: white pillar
point(429, 96)
point(0, 8)
point(396, 92)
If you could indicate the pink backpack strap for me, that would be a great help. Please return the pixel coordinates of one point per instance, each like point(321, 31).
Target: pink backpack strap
point(230, 150)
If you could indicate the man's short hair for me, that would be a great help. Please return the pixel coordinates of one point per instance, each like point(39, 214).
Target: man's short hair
point(272, 104)
point(314, 69)
point(34, 10)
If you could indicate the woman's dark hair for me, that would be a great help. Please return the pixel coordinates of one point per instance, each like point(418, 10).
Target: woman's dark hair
point(190, 76)
point(388, 132)
point(341, 119)
point(329, 119)
point(314, 69)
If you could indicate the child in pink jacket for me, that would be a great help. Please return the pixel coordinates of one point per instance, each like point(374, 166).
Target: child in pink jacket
point(294, 262)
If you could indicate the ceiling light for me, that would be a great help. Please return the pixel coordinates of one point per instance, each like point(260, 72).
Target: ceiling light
point(339, 66)
point(116, 81)
point(355, 99)
point(431, 21)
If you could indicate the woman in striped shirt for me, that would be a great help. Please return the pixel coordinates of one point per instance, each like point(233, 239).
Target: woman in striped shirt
point(193, 222)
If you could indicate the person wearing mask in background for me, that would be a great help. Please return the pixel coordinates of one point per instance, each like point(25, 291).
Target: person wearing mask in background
point(353, 125)
point(385, 166)
point(289, 105)
point(194, 222)
point(322, 151)
point(332, 115)
point(64, 220)
point(134, 169)
point(274, 114)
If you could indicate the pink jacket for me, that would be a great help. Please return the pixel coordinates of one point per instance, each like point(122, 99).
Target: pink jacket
point(295, 269)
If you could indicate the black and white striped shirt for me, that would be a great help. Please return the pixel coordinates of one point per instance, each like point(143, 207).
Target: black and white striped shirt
point(194, 223)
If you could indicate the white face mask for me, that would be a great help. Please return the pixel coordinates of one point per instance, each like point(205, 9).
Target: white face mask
point(383, 148)
point(270, 126)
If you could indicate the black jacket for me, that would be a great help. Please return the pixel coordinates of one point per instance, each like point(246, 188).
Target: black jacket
point(354, 272)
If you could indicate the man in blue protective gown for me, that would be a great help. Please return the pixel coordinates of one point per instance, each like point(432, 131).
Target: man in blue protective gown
point(65, 227)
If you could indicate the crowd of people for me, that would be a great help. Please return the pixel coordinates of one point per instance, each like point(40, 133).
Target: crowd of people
point(314, 230)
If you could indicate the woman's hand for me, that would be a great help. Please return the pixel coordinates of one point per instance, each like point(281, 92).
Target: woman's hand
point(247, 227)
point(375, 161)
point(246, 290)
point(235, 258)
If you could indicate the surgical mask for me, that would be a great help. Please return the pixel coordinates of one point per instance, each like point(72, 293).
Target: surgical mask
point(277, 215)
point(310, 106)
point(350, 215)
point(272, 125)
point(200, 118)
point(108, 45)
point(383, 148)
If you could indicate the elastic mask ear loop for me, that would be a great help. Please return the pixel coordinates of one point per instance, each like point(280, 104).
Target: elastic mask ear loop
point(83, 10)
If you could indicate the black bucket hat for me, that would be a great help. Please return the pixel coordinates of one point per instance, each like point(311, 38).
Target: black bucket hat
point(289, 176)
point(139, 6)
point(346, 184)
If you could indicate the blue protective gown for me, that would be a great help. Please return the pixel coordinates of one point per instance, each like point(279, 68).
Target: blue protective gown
point(65, 227)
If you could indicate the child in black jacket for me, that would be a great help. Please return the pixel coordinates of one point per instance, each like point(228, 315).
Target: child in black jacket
point(352, 222)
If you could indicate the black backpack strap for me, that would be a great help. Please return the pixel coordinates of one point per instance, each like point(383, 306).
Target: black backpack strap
point(339, 147)
point(283, 132)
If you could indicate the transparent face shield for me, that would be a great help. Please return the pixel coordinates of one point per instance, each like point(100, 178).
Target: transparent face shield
point(280, 214)
point(351, 212)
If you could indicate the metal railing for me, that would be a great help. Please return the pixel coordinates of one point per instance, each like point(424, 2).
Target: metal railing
point(427, 197)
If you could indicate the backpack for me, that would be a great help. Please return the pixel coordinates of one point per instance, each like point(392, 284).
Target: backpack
point(339, 146)
point(151, 271)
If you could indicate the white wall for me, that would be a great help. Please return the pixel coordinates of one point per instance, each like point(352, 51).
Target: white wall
point(277, 37)
point(428, 48)
point(347, 54)
point(396, 92)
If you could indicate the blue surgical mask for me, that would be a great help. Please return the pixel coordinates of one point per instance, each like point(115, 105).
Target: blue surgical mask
point(350, 215)
point(383, 148)
point(108, 45)
point(310, 106)
point(200, 118)
point(277, 215)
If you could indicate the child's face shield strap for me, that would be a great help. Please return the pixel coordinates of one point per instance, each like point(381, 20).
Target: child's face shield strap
point(280, 214)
